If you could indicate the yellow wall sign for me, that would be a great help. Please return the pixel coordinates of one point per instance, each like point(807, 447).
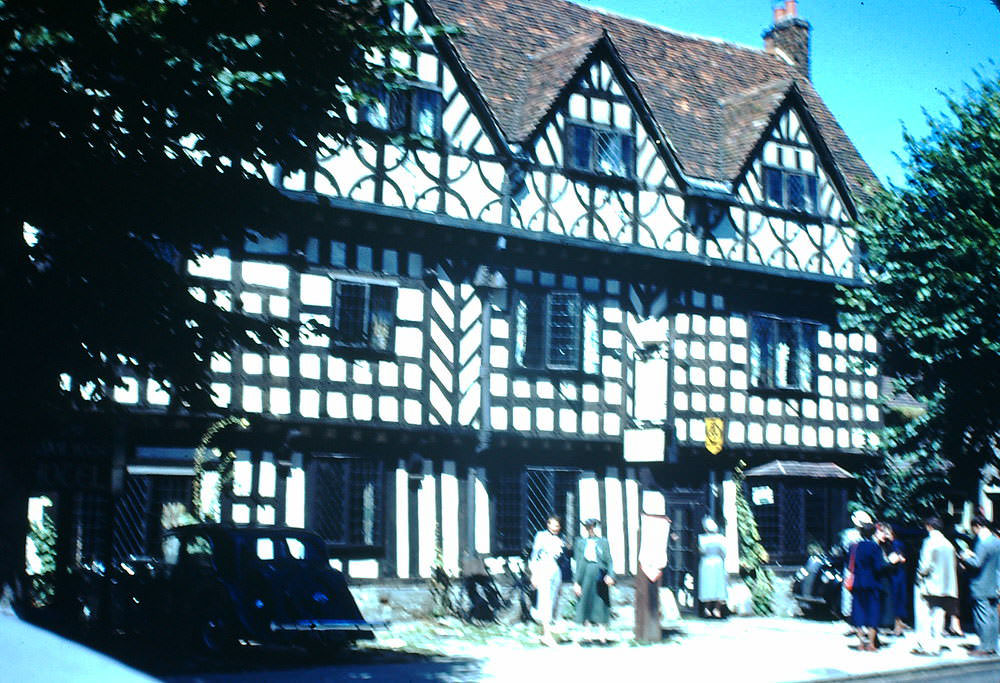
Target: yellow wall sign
point(713, 435)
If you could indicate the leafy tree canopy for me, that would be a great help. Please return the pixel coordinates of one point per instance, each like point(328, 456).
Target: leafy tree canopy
point(934, 302)
point(139, 134)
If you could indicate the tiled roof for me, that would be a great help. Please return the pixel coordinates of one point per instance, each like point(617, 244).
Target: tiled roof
point(808, 470)
point(706, 95)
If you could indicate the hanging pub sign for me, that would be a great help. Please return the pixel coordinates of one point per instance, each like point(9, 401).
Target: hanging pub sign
point(713, 435)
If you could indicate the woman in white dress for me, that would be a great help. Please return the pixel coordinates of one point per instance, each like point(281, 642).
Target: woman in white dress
point(546, 576)
point(713, 582)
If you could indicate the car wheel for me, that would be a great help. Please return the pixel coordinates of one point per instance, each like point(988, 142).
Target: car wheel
point(213, 633)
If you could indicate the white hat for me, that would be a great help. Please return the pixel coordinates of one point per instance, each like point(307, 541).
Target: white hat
point(860, 518)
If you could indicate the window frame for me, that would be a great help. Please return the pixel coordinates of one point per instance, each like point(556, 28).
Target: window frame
point(586, 309)
point(358, 470)
point(762, 368)
point(409, 94)
point(511, 514)
point(364, 344)
point(569, 149)
point(810, 191)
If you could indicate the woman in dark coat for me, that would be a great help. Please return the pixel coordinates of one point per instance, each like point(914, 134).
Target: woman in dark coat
point(869, 563)
point(592, 577)
point(896, 576)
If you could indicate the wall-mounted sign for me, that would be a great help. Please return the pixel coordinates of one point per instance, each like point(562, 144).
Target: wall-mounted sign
point(762, 495)
point(714, 438)
point(645, 445)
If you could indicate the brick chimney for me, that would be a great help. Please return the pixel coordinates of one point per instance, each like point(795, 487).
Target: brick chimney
point(789, 36)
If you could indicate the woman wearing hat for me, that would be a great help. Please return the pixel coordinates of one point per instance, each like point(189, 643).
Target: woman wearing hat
point(713, 581)
point(592, 578)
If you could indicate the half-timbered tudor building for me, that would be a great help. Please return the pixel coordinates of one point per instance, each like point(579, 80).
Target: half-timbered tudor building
point(605, 226)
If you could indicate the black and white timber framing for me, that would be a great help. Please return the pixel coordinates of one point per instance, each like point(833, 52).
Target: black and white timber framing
point(380, 434)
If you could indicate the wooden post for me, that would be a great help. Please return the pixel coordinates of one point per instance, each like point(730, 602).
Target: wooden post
point(654, 531)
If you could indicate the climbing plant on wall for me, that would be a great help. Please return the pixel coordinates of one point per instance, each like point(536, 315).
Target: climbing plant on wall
point(753, 556)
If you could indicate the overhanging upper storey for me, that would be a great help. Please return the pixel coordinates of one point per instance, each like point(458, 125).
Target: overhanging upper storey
point(548, 117)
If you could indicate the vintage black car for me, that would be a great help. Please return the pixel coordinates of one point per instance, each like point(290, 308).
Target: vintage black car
point(217, 586)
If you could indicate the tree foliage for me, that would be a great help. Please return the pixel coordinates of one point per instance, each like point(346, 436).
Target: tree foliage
point(933, 247)
point(140, 134)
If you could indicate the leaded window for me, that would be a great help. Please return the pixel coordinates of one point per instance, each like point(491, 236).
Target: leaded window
point(791, 189)
point(556, 331)
point(607, 151)
point(364, 315)
point(415, 109)
point(782, 353)
point(525, 497)
point(348, 500)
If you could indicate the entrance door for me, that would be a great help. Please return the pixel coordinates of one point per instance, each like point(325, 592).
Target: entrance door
point(685, 509)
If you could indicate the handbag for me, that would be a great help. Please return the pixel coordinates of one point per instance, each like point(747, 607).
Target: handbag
point(849, 574)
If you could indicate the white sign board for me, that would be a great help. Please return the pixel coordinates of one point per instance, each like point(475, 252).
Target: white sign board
point(645, 445)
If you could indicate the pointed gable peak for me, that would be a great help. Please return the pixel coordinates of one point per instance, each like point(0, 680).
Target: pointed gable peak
point(547, 75)
point(746, 117)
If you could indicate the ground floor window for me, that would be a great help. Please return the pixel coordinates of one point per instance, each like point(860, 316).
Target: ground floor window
point(525, 497)
point(345, 500)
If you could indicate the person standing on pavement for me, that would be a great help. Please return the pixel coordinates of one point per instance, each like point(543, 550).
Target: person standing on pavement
point(895, 580)
point(869, 564)
point(592, 578)
point(937, 588)
point(849, 539)
point(713, 581)
point(546, 575)
point(983, 562)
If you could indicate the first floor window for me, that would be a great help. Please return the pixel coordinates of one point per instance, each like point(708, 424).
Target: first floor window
point(364, 315)
point(345, 498)
point(782, 353)
point(791, 189)
point(607, 151)
point(556, 331)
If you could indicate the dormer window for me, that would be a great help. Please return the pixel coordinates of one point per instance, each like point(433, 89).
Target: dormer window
point(416, 110)
point(598, 149)
point(790, 189)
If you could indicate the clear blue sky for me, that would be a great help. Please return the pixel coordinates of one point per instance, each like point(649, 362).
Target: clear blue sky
point(876, 63)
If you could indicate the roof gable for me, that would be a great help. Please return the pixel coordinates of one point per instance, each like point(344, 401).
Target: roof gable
point(592, 63)
point(513, 47)
point(751, 121)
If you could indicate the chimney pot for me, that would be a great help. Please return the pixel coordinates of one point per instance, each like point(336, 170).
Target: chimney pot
point(789, 36)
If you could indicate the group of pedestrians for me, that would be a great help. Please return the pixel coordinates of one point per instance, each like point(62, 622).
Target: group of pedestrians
point(592, 576)
point(876, 587)
point(937, 586)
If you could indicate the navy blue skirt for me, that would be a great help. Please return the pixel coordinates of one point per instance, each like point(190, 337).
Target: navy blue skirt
point(865, 607)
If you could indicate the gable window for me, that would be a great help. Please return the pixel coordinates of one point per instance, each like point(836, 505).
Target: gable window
point(348, 494)
point(595, 149)
point(364, 315)
point(556, 331)
point(416, 109)
point(782, 353)
point(791, 189)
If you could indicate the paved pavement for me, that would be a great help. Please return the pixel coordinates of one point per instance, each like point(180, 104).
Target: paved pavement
point(29, 654)
point(750, 650)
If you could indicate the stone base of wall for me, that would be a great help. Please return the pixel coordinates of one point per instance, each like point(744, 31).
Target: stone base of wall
point(400, 600)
